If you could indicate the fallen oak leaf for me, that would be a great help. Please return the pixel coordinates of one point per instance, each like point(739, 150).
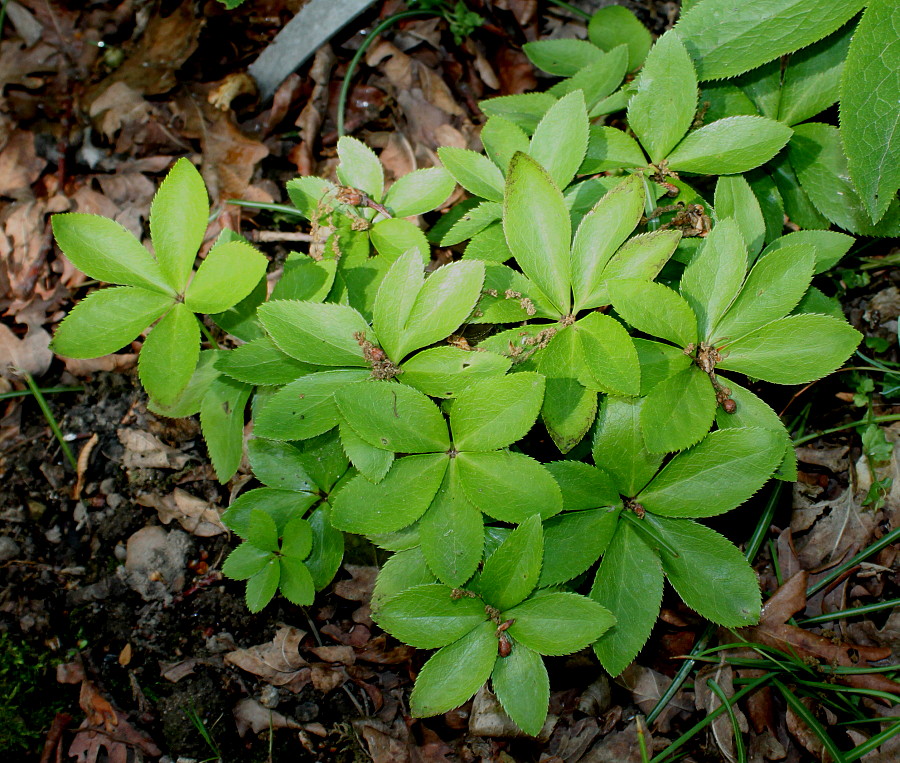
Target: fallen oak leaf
point(278, 662)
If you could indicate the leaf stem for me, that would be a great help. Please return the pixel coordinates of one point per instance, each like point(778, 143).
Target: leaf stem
point(208, 334)
point(45, 391)
point(50, 418)
point(844, 427)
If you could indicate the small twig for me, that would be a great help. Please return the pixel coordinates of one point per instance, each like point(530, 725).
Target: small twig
point(264, 236)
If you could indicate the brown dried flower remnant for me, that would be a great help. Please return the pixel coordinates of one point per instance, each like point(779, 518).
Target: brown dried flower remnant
point(382, 367)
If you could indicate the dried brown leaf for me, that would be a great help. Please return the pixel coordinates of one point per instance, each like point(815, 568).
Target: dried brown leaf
point(278, 662)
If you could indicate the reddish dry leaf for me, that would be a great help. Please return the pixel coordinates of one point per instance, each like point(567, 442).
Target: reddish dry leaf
point(279, 662)
point(20, 166)
point(359, 587)
point(619, 747)
point(342, 654)
point(721, 729)
point(806, 736)
point(327, 678)
point(516, 72)
point(84, 368)
point(19, 63)
point(376, 652)
point(789, 599)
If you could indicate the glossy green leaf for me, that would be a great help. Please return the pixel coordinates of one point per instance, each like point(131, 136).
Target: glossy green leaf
point(447, 371)
point(662, 109)
point(619, 447)
point(323, 459)
point(260, 362)
point(327, 552)
point(679, 411)
point(107, 320)
point(295, 582)
point(305, 279)
point(609, 355)
point(455, 673)
point(262, 586)
point(400, 572)
point(222, 424)
point(814, 301)
point(310, 194)
point(512, 571)
point(395, 301)
point(829, 246)
point(782, 351)
point(473, 222)
point(508, 486)
point(397, 501)
point(524, 110)
point(169, 354)
point(395, 236)
point(522, 685)
point(710, 574)
point(279, 465)
point(428, 616)
point(245, 561)
point(724, 39)
point(501, 139)
point(558, 623)
point(724, 99)
point(561, 57)
point(323, 334)
point(227, 275)
point(596, 80)
point(537, 229)
point(419, 191)
point(658, 362)
point(509, 297)
point(629, 583)
point(642, 256)
point(770, 202)
point(495, 413)
point(370, 461)
point(281, 505)
point(261, 531)
point(103, 249)
point(187, 403)
point(654, 309)
point(610, 149)
point(473, 171)
point(730, 145)
point(716, 475)
point(735, 199)
point(615, 25)
point(797, 206)
point(560, 139)
point(574, 541)
point(583, 486)
point(359, 167)
point(305, 407)
point(763, 86)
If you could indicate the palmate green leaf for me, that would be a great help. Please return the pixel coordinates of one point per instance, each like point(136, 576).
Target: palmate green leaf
point(610, 149)
point(455, 673)
point(262, 586)
point(169, 354)
point(602, 231)
point(512, 571)
point(714, 276)
point(428, 617)
point(360, 168)
point(523, 110)
point(419, 191)
point(327, 551)
point(296, 582)
point(560, 138)
point(658, 362)
point(227, 275)
point(725, 40)
point(774, 287)
point(782, 351)
point(107, 320)
point(596, 80)
point(305, 407)
point(735, 199)
point(730, 145)
point(391, 238)
point(178, 216)
point(574, 541)
point(400, 572)
point(447, 371)
point(583, 486)
point(662, 109)
point(501, 139)
point(279, 465)
point(105, 250)
point(829, 245)
point(370, 461)
point(397, 501)
point(619, 447)
point(797, 205)
point(629, 583)
point(473, 171)
point(716, 475)
point(323, 334)
point(609, 355)
point(305, 279)
point(569, 408)
point(281, 505)
point(245, 561)
point(261, 531)
point(709, 573)
point(309, 194)
point(522, 685)
point(473, 222)
point(561, 57)
point(763, 86)
point(240, 320)
point(222, 424)
point(452, 532)
point(495, 413)
point(654, 309)
point(869, 115)
point(813, 77)
point(558, 623)
point(508, 486)
point(393, 417)
point(537, 229)
point(615, 25)
point(642, 256)
point(770, 202)
point(323, 459)
point(260, 362)
point(395, 301)
point(187, 403)
point(509, 297)
point(679, 411)
point(817, 156)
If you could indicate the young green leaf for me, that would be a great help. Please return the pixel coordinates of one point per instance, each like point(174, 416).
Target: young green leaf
point(281, 505)
point(596, 80)
point(260, 362)
point(295, 581)
point(615, 25)
point(428, 616)
point(90, 331)
point(323, 334)
point(716, 475)
point(397, 501)
point(658, 362)
point(629, 583)
point(392, 238)
point(709, 573)
point(400, 572)
point(523, 110)
point(187, 403)
point(371, 461)
point(279, 465)
point(521, 684)
point(558, 623)
point(178, 216)
point(574, 541)
point(447, 371)
point(797, 205)
point(609, 355)
point(560, 139)
point(734, 198)
point(583, 486)
point(308, 194)
point(561, 57)
point(360, 168)
point(169, 355)
point(781, 351)
point(729, 146)
point(508, 486)
point(679, 411)
point(829, 246)
point(227, 275)
point(513, 570)
point(473, 222)
point(642, 257)
point(770, 202)
point(222, 424)
point(610, 149)
point(262, 586)
point(305, 279)
point(501, 139)
point(261, 531)
point(474, 172)
point(662, 109)
point(509, 297)
point(396, 297)
point(393, 417)
point(538, 230)
point(245, 561)
point(419, 191)
point(455, 673)
point(494, 413)
point(654, 309)
point(619, 447)
point(327, 552)
point(103, 249)
point(869, 115)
